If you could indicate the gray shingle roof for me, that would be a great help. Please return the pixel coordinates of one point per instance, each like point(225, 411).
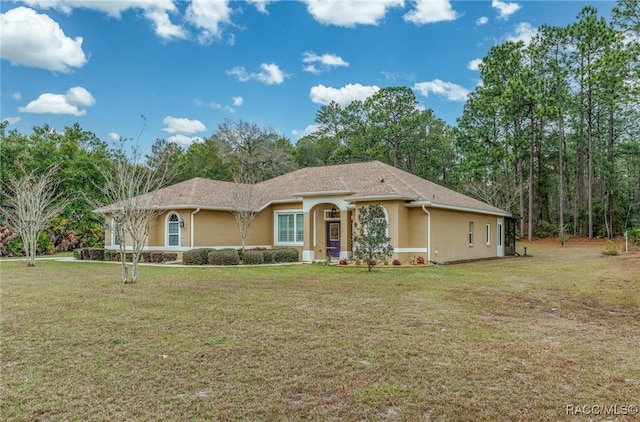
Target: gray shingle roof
point(371, 180)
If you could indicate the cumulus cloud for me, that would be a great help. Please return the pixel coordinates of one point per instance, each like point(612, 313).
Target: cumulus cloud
point(524, 32)
point(269, 74)
point(505, 9)
point(261, 5)
point(306, 131)
point(321, 94)
point(182, 126)
point(474, 64)
point(33, 39)
point(184, 139)
point(208, 16)
point(482, 20)
point(448, 90)
point(158, 12)
point(317, 64)
point(349, 13)
point(430, 11)
point(68, 103)
point(10, 120)
point(114, 136)
point(237, 101)
point(16, 96)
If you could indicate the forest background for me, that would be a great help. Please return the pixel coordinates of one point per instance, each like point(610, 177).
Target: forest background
point(551, 133)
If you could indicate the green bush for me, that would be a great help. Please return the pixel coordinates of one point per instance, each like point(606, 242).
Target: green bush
point(196, 256)
point(610, 248)
point(546, 229)
point(224, 257)
point(253, 257)
point(634, 236)
point(77, 253)
point(15, 248)
point(267, 256)
point(285, 255)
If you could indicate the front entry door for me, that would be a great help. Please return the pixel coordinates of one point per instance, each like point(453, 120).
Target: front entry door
point(333, 239)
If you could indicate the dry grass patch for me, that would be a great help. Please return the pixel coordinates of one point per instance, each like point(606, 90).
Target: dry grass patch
point(512, 339)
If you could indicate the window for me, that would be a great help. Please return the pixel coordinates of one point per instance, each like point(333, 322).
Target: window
point(290, 228)
point(115, 237)
point(488, 234)
point(173, 230)
point(470, 232)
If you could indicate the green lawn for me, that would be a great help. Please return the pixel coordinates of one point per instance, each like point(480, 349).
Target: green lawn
point(501, 340)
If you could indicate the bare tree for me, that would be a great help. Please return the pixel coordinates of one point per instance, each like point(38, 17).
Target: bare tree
point(130, 192)
point(31, 201)
point(244, 210)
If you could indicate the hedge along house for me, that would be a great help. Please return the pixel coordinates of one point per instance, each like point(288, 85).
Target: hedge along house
point(314, 210)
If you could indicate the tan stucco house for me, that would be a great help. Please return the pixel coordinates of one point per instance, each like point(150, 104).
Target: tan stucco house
point(313, 209)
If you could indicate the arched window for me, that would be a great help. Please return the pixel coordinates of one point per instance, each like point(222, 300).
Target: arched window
point(173, 229)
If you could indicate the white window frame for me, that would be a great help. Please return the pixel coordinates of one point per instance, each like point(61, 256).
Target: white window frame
point(168, 234)
point(488, 234)
point(276, 228)
point(470, 234)
point(115, 239)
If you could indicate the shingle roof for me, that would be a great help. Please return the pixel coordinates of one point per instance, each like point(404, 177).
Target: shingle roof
point(356, 182)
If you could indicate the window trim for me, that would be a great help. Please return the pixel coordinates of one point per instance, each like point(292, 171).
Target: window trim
point(276, 228)
point(166, 227)
point(488, 234)
point(470, 233)
point(115, 239)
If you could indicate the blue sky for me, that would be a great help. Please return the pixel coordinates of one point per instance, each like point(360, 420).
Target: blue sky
point(188, 65)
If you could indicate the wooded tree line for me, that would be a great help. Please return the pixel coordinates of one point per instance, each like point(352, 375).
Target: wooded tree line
point(551, 133)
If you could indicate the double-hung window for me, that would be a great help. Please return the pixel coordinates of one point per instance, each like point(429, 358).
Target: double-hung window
point(173, 230)
point(289, 228)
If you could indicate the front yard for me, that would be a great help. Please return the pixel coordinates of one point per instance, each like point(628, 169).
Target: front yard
point(501, 340)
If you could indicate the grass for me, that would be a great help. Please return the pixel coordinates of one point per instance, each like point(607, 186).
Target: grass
point(512, 339)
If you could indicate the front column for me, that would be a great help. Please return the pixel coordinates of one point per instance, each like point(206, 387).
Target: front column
point(308, 252)
point(345, 234)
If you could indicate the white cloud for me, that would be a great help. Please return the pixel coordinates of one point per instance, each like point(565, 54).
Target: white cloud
point(10, 120)
point(16, 96)
point(237, 101)
point(505, 9)
point(306, 131)
point(430, 11)
point(114, 136)
point(183, 139)
point(474, 64)
point(261, 5)
point(68, 103)
point(448, 90)
point(524, 32)
point(33, 39)
point(321, 94)
point(349, 13)
point(324, 62)
point(208, 16)
point(182, 126)
point(482, 20)
point(269, 74)
point(156, 11)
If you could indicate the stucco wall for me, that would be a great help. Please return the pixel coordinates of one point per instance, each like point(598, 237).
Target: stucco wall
point(450, 231)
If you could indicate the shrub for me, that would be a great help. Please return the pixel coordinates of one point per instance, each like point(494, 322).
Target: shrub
point(285, 255)
point(253, 257)
point(343, 261)
point(196, 256)
point(93, 254)
point(77, 253)
point(267, 256)
point(420, 260)
point(224, 257)
point(15, 248)
point(610, 248)
point(546, 229)
point(396, 262)
point(634, 236)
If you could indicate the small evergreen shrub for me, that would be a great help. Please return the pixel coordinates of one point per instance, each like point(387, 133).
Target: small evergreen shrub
point(267, 256)
point(344, 261)
point(77, 253)
point(396, 262)
point(285, 255)
point(420, 260)
point(94, 254)
point(224, 257)
point(610, 248)
point(634, 236)
point(253, 257)
point(196, 256)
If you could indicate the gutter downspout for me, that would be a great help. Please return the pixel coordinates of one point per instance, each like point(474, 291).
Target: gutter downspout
point(192, 228)
point(428, 232)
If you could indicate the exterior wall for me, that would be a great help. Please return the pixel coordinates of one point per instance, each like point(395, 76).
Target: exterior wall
point(218, 229)
point(450, 231)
